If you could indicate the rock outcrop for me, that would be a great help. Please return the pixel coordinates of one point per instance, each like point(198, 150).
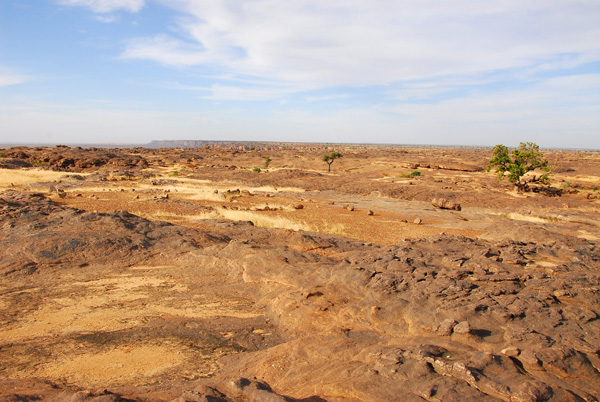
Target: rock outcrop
point(443, 203)
point(232, 312)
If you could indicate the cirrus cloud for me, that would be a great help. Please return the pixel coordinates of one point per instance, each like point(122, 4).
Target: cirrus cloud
point(8, 78)
point(106, 6)
point(337, 43)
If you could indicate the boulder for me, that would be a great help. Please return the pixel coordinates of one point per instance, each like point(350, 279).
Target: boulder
point(443, 203)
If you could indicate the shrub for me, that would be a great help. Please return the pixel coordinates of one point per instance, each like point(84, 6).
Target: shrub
point(520, 161)
point(256, 169)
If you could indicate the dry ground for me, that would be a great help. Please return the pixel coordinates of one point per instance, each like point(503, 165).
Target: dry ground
point(366, 179)
point(154, 324)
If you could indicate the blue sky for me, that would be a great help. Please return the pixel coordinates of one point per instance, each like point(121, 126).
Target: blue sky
point(466, 72)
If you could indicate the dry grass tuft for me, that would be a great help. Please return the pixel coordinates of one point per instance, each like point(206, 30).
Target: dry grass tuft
point(262, 220)
point(528, 218)
point(257, 218)
point(19, 177)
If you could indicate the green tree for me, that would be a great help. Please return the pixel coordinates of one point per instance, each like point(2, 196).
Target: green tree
point(516, 163)
point(267, 161)
point(330, 158)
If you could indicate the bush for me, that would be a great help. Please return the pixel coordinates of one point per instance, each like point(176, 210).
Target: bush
point(256, 169)
point(520, 161)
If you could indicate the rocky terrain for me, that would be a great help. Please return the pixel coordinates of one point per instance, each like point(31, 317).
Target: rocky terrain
point(188, 275)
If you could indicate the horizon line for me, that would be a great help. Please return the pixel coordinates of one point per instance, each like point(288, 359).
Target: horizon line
point(110, 145)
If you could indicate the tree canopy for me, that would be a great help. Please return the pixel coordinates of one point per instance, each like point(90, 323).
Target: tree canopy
point(329, 158)
point(516, 163)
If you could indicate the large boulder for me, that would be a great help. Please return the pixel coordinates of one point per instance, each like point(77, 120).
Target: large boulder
point(443, 203)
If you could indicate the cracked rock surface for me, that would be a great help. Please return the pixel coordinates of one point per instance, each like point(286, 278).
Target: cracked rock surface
point(238, 312)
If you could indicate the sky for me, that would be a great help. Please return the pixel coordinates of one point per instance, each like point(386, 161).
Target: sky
point(439, 72)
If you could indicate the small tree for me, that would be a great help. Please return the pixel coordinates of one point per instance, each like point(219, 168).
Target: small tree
point(267, 161)
point(520, 161)
point(330, 158)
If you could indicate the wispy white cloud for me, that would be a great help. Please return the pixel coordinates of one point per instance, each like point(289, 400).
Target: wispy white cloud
point(404, 71)
point(166, 50)
point(230, 92)
point(312, 43)
point(106, 6)
point(508, 116)
point(7, 79)
point(321, 98)
point(563, 111)
point(558, 94)
point(107, 18)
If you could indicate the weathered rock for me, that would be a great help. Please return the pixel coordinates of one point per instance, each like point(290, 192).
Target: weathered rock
point(445, 328)
point(462, 327)
point(511, 351)
point(13, 163)
point(443, 203)
point(254, 391)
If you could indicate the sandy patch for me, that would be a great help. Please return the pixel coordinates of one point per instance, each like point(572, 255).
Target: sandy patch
point(209, 309)
point(584, 234)
point(113, 304)
point(206, 188)
point(50, 321)
point(257, 218)
point(124, 365)
point(148, 267)
point(124, 283)
point(100, 315)
point(102, 305)
point(265, 221)
point(590, 179)
point(526, 218)
point(544, 264)
point(8, 177)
